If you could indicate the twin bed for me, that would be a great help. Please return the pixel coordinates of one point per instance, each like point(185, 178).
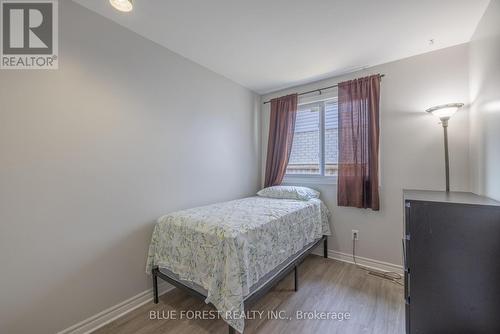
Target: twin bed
point(230, 254)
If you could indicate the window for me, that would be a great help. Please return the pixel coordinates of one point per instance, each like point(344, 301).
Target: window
point(331, 138)
point(314, 147)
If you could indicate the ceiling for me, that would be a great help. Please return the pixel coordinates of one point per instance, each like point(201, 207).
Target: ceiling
point(267, 45)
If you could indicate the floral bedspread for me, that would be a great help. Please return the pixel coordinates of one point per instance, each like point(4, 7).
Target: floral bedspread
point(227, 247)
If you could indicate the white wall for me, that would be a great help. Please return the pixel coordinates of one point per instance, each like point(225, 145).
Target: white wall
point(485, 107)
point(91, 154)
point(411, 146)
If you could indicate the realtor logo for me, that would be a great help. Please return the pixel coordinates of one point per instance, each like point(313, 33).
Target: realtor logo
point(29, 34)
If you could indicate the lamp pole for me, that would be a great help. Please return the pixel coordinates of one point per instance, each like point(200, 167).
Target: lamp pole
point(444, 122)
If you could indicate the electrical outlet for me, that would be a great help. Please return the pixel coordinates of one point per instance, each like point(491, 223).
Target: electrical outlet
point(355, 235)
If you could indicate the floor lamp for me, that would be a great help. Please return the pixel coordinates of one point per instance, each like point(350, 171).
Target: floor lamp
point(444, 113)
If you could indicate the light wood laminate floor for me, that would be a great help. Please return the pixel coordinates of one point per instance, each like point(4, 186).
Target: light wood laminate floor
point(375, 305)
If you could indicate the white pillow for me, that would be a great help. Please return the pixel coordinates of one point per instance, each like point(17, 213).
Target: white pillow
point(289, 192)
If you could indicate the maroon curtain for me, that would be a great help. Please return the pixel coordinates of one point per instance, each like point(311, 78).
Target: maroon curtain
point(279, 146)
point(358, 115)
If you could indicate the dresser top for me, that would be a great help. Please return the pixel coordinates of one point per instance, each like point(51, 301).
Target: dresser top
point(450, 197)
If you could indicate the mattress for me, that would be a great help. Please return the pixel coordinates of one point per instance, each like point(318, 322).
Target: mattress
point(266, 278)
point(227, 248)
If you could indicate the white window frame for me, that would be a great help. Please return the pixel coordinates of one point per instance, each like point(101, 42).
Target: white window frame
point(320, 178)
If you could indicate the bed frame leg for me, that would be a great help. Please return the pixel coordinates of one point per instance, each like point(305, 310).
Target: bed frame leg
point(231, 330)
point(155, 285)
point(325, 247)
point(296, 276)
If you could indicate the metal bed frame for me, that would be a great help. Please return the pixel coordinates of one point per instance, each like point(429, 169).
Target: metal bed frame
point(257, 294)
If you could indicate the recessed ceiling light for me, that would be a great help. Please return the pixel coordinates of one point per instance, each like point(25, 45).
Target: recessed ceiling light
point(122, 5)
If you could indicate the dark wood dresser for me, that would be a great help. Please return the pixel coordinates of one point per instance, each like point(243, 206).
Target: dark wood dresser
point(452, 263)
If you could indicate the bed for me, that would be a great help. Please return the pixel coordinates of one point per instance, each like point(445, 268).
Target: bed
point(231, 253)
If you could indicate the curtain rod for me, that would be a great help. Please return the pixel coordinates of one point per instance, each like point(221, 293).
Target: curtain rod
point(321, 89)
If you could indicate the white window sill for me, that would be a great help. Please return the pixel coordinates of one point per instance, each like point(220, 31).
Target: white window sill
point(309, 179)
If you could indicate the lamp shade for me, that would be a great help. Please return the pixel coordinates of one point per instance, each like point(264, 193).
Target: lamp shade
point(122, 5)
point(445, 111)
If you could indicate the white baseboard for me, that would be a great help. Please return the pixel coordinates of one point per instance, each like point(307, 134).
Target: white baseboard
point(362, 261)
point(114, 312)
